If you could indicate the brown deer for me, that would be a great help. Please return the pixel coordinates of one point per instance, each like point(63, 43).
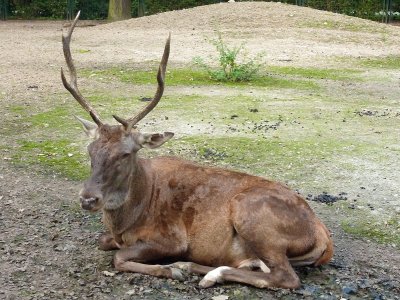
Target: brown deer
point(228, 225)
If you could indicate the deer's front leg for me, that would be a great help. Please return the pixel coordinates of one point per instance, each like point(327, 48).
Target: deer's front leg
point(107, 242)
point(132, 259)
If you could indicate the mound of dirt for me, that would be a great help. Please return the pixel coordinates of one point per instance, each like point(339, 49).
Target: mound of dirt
point(240, 15)
point(284, 32)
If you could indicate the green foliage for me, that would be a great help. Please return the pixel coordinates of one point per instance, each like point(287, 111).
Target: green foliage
point(157, 6)
point(368, 9)
point(38, 9)
point(230, 68)
point(54, 9)
point(92, 9)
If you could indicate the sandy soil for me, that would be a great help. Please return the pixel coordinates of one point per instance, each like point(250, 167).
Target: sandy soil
point(47, 245)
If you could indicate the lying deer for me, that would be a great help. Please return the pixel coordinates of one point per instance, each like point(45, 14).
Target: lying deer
point(228, 225)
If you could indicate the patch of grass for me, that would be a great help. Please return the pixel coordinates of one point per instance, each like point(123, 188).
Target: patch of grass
point(192, 77)
point(285, 159)
point(57, 117)
point(384, 232)
point(315, 73)
point(60, 157)
point(17, 108)
point(387, 62)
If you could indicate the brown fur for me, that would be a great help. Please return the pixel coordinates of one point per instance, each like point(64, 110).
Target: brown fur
point(171, 208)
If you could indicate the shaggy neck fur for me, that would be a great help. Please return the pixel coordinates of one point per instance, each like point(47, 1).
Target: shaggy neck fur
point(127, 205)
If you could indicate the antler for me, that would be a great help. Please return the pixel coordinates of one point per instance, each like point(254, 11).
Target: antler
point(129, 123)
point(72, 86)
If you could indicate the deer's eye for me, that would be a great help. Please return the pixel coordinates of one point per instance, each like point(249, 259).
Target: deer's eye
point(125, 155)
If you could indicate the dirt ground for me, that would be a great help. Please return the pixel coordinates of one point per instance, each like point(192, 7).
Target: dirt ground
point(48, 245)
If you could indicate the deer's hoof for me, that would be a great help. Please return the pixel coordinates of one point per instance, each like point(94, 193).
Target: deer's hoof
point(204, 283)
point(177, 274)
point(213, 276)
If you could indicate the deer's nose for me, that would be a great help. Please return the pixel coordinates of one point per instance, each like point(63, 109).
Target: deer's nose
point(88, 203)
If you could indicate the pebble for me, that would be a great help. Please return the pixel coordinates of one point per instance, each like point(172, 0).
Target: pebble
point(350, 289)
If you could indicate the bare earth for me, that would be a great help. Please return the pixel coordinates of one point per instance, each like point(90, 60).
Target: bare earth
point(48, 246)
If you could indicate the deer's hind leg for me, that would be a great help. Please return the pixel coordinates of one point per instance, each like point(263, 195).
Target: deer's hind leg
point(281, 276)
point(269, 229)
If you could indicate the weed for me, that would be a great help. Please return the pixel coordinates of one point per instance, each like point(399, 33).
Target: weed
point(230, 69)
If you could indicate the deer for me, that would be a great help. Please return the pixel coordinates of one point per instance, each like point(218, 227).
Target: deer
point(223, 224)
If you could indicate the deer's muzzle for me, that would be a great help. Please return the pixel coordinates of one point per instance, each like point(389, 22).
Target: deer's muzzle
point(89, 203)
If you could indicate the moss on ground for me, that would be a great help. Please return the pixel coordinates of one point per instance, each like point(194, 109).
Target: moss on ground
point(385, 232)
point(274, 158)
point(59, 157)
point(387, 62)
point(317, 73)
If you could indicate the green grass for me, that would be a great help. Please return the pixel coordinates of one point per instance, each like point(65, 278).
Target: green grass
point(17, 108)
point(191, 77)
point(387, 232)
point(55, 118)
point(285, 160)
point(60, 157)
point(316, 73)
point(388, 62)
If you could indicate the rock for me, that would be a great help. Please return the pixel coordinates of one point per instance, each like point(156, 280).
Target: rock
point(220, 297)
point(350, 289)
point(308, 290)
point(131, 292)
point(108, 274)
point(364, 283)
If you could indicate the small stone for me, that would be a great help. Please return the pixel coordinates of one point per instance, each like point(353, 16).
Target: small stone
point(220, 297)
point(130, 292)
point(350, 289)
point(108, 274)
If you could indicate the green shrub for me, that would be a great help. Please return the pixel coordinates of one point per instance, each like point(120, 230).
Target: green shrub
point(231, 68)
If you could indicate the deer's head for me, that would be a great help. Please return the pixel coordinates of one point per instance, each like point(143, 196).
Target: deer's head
point(113, 151)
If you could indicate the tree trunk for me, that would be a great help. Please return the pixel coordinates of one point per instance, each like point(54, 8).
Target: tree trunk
point(119, 10)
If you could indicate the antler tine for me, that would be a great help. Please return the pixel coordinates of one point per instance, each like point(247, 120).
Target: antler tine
point(72, 86)
point(160, 90)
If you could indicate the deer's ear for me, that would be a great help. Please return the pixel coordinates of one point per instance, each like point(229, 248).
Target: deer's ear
point(155, 140)
point(90, 128)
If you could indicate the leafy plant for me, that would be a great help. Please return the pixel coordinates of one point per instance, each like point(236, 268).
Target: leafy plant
point(231, 68)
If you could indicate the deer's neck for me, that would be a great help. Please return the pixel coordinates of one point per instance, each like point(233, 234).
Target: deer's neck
point(133, 201)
